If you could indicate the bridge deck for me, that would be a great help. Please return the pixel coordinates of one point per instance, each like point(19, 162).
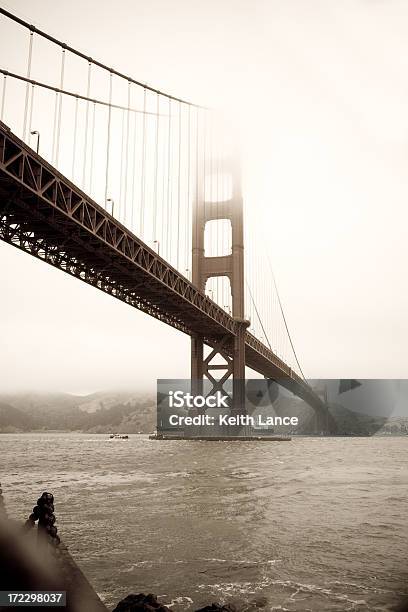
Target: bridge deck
point(44, 214)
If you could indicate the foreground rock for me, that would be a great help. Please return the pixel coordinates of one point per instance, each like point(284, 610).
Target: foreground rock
point(140, 603)
point(214, 607)
point(149, 603)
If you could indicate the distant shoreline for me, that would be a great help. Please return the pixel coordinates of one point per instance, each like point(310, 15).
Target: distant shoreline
point(69, 431)
point(93, 433)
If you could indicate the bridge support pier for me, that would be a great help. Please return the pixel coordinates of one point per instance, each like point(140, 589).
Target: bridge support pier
point(197, 361)
point(239, 368)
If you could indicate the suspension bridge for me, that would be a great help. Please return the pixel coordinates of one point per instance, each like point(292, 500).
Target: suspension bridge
point(138, 193)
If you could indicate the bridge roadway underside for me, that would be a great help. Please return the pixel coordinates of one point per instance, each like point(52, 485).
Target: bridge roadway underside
point(47, 216)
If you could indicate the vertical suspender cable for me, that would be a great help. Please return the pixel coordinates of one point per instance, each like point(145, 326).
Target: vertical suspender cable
point(3, 97)
point(226, 235)
point(30, 121)
point(92, 149)
point(54, 128)
point(126, 156)
point(30, 54)
point(127, 153)
point(263, 288)
point(60, 108)
point(143, 177)
point(204, 203)
point(108, 139)
point(197, 190)
point(230, 183)
point(220, 280)
point(88, 92)
point(132, 212)
point(121, 163)
point(168, 246)
point(210, 195)
point(156, 169)
point(178, 189)
point(163, 198)
point(75, 137)
point(187, 224)
point(260, 300)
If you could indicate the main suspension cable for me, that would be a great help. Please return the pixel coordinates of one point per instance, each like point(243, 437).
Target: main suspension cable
point(284, 317)
point(72, 94)
point(33, 29)
point(258, 315)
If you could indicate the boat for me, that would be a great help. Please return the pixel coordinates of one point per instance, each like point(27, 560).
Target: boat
point(119, 436)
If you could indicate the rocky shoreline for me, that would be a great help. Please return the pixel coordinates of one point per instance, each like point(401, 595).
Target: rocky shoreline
point(149, 603)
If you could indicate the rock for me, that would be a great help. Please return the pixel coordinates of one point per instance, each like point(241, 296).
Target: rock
point(214, 607)
point(149, 603)
point(260, 602)
point(140, 603)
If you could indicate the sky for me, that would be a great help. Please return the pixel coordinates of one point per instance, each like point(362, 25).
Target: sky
point(320, 91)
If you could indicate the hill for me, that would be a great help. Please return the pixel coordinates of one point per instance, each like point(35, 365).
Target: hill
point(13, 419)
point(102, 412)
point(126, 412)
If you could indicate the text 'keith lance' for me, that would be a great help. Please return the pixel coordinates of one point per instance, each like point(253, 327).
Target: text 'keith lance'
point(226, 420)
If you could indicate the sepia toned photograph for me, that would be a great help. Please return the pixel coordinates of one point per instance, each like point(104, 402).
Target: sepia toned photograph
point(204, 394)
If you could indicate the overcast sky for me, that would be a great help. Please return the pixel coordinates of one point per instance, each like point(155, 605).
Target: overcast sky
point(321, 92)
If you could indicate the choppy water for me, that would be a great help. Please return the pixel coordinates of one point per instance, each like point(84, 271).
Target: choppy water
point(312, 524)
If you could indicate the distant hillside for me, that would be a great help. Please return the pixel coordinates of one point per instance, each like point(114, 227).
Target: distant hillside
point(12, 419)
point(96, 413)
point(395, 426)
point(125, 412)
point(348, 422)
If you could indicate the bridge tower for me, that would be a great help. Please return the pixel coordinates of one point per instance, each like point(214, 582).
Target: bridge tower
point(228, 265)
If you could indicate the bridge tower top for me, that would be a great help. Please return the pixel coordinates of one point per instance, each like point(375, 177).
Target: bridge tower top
point(205, 209)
